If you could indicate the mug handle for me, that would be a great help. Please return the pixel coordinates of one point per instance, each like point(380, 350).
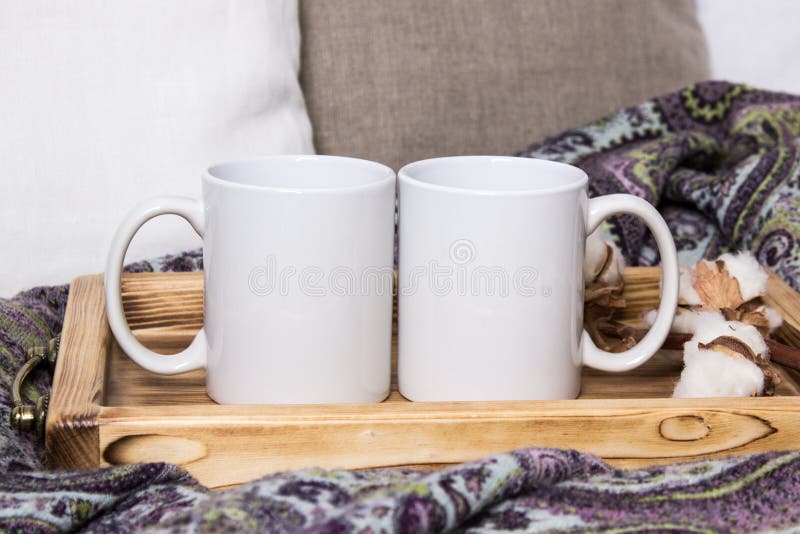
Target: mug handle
point(194, 356)
point(599, 209)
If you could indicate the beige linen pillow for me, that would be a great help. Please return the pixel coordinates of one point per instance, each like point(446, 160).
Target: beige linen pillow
point(408, 79)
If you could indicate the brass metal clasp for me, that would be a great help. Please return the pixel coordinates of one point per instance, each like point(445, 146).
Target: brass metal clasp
point(24, 417)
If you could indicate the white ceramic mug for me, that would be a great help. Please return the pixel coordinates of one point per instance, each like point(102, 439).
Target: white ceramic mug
point(298, 257)
point(491, 279)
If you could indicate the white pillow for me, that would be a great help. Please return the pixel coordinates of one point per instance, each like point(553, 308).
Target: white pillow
point(106, 102)
point(753, 42)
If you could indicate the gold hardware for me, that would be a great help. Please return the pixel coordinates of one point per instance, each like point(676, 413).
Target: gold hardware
point(24, 417)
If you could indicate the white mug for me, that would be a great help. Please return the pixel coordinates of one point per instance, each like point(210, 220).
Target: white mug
point(491, 279)
point(298, 258)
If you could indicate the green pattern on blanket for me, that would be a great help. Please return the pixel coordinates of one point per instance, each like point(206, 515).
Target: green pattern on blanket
point(719, 160)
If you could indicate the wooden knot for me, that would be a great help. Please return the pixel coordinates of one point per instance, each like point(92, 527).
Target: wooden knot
point(684, 428)
point(142, 448)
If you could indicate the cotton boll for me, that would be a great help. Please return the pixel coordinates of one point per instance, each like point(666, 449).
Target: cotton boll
point(616, 268)
point(708, 373)
point(691, 322)
point(751, 276)
point(711, 372)
point(688, 321)
point(650, 317)
point(773, 317)
point(711, 286)
point(594, 256)
point(686, 291)
point(711, 328)
point(603, 261)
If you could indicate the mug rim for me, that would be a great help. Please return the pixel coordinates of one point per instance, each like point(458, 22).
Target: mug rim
point(388, 175)
point(404, 176)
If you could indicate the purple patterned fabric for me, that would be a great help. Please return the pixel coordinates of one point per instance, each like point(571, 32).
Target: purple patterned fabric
point(719, 161)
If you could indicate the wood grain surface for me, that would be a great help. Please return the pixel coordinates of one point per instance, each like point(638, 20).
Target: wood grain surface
point(71, 429)
point(106, 410)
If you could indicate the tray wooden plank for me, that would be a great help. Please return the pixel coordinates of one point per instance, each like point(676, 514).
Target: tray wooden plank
point(106, 410)
point(72, 438)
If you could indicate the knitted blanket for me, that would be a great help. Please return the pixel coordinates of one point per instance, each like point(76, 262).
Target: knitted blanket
point(721, 162)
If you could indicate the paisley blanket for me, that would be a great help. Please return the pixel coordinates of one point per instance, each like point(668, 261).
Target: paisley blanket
point(721, 162)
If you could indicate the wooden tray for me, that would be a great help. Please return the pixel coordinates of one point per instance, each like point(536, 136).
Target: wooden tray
point(105, 410)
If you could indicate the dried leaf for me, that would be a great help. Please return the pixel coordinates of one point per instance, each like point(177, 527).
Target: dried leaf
point(605, 263)
point(752, 313)
point(607, 333)
point(602, 297)
point(771, 379)
point(601, 300)
point(609, 296)
point(624, 344)
point(732, 346)
point(716, 287)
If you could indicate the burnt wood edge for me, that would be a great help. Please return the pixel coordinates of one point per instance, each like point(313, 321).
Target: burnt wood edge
point(778, 427)
point(72, 438)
